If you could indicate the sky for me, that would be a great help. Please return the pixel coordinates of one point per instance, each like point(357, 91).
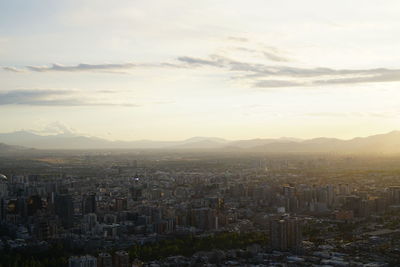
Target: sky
point(170, 70)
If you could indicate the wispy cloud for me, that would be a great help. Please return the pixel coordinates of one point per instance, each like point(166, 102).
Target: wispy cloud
point(12, 69)
point(44, 97)
point(55, 127)
point(377, 114)
point(201, 62)
point(255, 73)
point(237, 39)
point(271, 76)
point(82, 67)
point(275, 83)
point(270, 53)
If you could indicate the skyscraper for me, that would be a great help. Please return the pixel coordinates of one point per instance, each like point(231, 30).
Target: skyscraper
point(104, 260)
point(64, 208)
point(285, 234)
point(89, 204)
point(121, 259)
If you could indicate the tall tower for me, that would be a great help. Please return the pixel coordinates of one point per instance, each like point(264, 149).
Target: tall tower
point(285, 234)
point(89, 204)
point(64, 208)
point(121, 259)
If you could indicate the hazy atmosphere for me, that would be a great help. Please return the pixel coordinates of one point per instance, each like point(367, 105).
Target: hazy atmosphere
point(170, 70)
point(215, 133)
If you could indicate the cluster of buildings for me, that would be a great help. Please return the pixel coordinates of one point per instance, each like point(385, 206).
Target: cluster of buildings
point(104, 259)
point(115, 206)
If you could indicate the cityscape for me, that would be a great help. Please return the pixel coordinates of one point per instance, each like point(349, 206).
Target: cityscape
point(199, 133)
point(198, 208)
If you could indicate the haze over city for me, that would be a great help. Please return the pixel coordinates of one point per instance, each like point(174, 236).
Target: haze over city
point(215, 133)
point(171, 70)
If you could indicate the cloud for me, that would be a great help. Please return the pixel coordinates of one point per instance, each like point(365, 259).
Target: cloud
point(271, 53)
point(380, 75)
point(237, 39)
point(201, 62)
point(43, 127)
point(265, 76)
point(275, 57)
point(12, 69)
point(58, 128)
point(275, 83)
point(254, 73)
point(377, 114)
point(44, 97)
point(82, 67)
point(23, 97)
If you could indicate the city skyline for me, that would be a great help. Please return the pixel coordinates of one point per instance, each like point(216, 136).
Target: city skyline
point(234, 70)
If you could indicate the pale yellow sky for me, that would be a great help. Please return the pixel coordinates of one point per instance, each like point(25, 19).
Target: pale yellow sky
point(170, 70)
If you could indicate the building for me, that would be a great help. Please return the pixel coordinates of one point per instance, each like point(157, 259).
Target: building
point(89, 204)
point(104, 260)
point(64, 208)
point(204, 218)
point(83, 261)
point(285, 234)
point(344, 215)
point(3, 186)
point(394, 195)
point(121, 204)
point(121, 259)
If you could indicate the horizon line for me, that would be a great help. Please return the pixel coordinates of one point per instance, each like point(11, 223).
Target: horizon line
point(192, 137)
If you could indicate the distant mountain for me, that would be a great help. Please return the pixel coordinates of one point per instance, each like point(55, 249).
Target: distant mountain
point(251, 143)
point(70, 141)
point(381, 143)
point(201, 139)
point(10, 149)
point(202, 144)
point(61, 141)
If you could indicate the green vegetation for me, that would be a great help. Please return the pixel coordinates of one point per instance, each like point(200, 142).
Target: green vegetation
point(53, 257)
point(57, 256)
point(189, 245)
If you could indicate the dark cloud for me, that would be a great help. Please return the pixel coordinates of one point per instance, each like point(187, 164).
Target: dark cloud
point(40, 97)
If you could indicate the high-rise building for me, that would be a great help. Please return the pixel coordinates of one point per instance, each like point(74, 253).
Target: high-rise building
point(64, 208)
point(34, 204)
point(121, 259)
point(89, 204)
point(136, 192)
point(121, 204)
point(3, 186)
point(285, 234)
point(104, 260)
point(2, 209)
point(291, 201)
point(204, 218)
point(394, 195)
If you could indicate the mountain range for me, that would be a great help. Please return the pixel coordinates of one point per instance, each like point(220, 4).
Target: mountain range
point(381, 143)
